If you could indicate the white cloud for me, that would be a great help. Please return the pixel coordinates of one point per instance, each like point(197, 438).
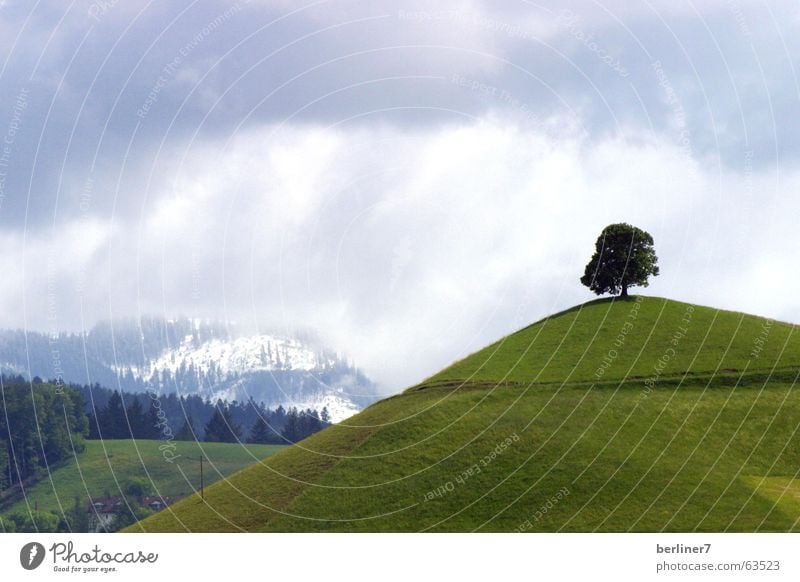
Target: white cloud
point(408, 249)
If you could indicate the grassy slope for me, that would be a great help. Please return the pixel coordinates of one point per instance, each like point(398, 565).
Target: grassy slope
point(711, 450)
point(570, 346)
point(97, 467)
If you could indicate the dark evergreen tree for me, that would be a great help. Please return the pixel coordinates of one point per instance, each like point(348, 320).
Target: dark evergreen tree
point(261, 433)
point(113, 423)
point(137, 419)
point(94, 427)
point(154, 423)
point(309, 423)
point(186, 433)
point(291, 431)
point(221, 428)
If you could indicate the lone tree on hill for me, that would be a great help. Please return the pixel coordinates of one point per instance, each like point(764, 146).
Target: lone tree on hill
point(623, 257)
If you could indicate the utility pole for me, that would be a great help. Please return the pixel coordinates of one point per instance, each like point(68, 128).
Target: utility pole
point(202, 485)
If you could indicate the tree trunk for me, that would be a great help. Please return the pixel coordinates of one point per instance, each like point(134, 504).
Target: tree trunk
point(624, 289)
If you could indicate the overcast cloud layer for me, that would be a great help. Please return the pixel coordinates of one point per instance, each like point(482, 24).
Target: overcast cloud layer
point(412, 180)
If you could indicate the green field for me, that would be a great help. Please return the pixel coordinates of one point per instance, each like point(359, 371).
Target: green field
point(692, 425)
point(104, 468)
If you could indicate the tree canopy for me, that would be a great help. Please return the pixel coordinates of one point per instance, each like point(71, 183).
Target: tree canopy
point(41, 425)
point(624, 257)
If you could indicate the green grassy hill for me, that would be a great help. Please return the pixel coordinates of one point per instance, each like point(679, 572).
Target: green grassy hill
point(104, 468)
point(640, 415)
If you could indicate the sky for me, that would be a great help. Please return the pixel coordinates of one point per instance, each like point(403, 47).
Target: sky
point(411, 180)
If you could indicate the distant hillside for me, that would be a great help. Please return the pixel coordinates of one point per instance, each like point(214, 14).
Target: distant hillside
point(640, 415)
point(104, 469)
point(185, 356)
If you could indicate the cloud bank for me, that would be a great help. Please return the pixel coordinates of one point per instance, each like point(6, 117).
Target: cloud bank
point(412, 182)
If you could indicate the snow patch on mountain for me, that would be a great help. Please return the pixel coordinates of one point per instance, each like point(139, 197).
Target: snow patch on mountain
point(336, 400)
point(276, 371)
point(241, 355)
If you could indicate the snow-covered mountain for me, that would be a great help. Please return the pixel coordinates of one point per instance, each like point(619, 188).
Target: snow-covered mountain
point(191, 357)
point(243, 354)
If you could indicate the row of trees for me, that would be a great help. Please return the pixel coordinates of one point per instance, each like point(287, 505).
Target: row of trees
point(118, 421)
point(40, 426)
point(298, 425)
